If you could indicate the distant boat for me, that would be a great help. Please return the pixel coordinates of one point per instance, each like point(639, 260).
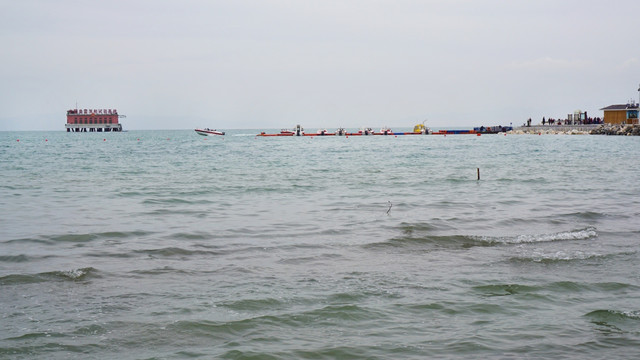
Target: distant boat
point(287, 132)
point(209, 132)
point(386, 131)
point(365, 131)
point(297, 131)
point(421, 129)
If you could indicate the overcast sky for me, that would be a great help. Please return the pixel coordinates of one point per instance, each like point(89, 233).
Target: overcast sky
point(319, 63)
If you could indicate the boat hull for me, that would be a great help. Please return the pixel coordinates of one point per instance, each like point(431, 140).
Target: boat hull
point(208, 132)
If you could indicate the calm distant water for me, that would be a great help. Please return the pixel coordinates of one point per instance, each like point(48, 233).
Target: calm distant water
point(169, 245)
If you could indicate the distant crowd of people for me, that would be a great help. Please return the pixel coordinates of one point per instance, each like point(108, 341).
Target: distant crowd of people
point(558, 122)
point(587, 121)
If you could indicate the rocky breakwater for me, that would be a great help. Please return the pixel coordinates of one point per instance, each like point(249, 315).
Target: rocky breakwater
point(541, 130)
point(610, 129)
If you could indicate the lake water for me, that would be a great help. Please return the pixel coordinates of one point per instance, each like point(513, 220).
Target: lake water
point(169, 245)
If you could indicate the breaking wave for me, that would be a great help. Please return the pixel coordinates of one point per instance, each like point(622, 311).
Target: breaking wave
point(468, 241)
point(614, 315)
point(615, 321)
point(582, 234)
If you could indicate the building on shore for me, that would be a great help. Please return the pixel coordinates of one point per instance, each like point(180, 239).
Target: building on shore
point(93, 120)
point(621, 113)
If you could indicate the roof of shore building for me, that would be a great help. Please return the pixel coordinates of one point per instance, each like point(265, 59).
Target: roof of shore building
point(621, 107)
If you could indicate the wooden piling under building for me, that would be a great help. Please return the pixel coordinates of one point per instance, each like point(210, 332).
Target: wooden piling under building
point(93, 128)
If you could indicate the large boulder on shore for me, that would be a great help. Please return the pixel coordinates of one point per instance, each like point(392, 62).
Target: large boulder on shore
point(611, 129)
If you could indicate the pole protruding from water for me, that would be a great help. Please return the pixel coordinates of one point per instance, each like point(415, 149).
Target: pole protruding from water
point(478, 174)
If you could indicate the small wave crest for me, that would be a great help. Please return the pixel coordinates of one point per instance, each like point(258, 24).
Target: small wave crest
point(614, 315)
point(432, 242)
point(79, 238)
point(581, 234)
point(177, 252)
point(505, 289)
point(159, 271)
point(174, 201)
point(599, 287)
point(253, 304)
point(75, 274)
point(64, 275)
point(468, 241)
point(14, 258)
point(615, 321)
point(541, 290)
point(560, 256)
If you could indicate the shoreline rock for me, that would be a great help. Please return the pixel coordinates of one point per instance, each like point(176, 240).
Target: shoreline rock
point(604, 129)
point(547, 131)
point(621, 130)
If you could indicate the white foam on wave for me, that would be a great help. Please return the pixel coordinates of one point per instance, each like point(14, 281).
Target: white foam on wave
point(75, 274)
point(560, 236)
point(634, 314)
point(582, 234)
point(539, 255)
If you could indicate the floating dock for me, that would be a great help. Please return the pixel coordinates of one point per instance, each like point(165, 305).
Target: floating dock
point(344, 134)
point(419, 129)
